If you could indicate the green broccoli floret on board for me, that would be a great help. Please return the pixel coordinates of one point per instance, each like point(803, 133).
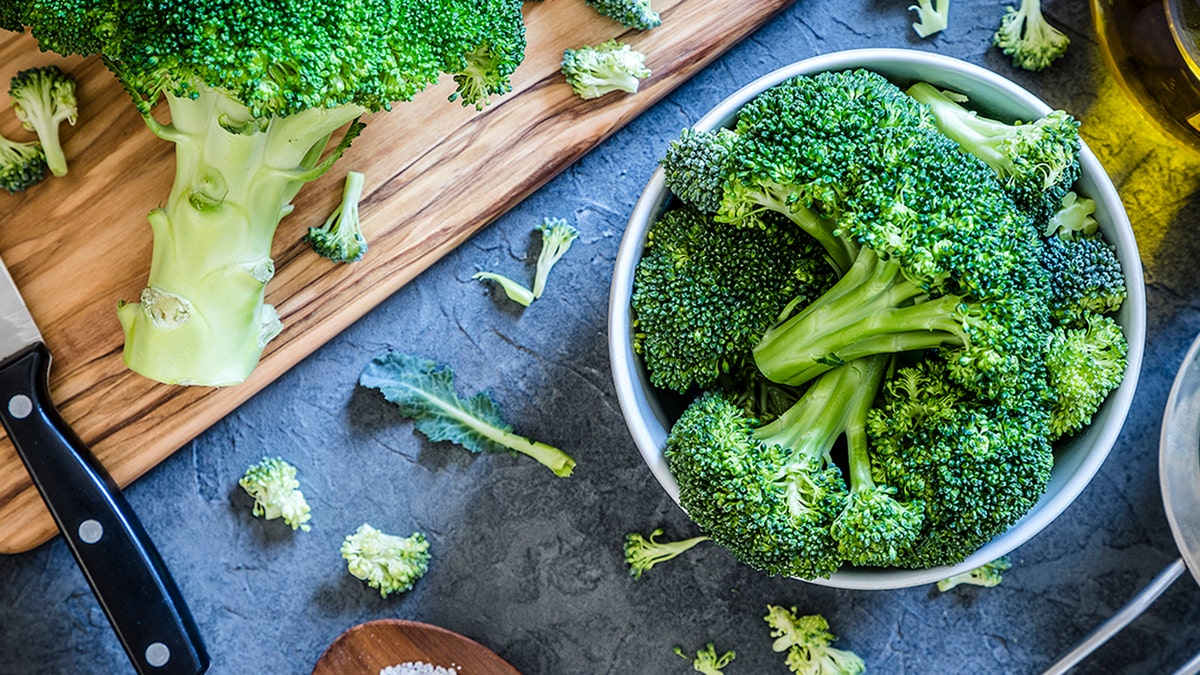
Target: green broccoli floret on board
point(43, 98)
point(340, 238)
point(22, 164)
point(593, 71)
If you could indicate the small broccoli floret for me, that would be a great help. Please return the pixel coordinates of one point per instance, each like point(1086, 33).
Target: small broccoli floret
point(733, 282)
point(593, 71)
point(807, 640)
point(1073, 217)
point(644, 552)
point(986, 575)
point(707, 661)
point(341, 239)
point(932, 16)
point(695, 164)
point(1026, 36)
point(1037, 161)
point(630, 13)
point(276, 492)
point(387, 562)
point(22, 165)
point(44, 98)
point(1085, 278)
point(424, 391)
point(1084, 365)
point(557, 237)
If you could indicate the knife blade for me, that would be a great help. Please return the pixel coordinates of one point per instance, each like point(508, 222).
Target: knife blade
point(110, 545)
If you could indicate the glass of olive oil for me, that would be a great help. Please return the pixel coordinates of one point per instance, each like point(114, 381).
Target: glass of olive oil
point(1151, 49)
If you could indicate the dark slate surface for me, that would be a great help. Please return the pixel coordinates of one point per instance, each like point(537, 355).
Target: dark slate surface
point(529, 564)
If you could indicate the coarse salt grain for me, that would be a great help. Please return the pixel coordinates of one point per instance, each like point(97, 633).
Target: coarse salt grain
point(417, 668)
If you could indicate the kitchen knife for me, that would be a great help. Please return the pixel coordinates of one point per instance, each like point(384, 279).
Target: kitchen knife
point(112, 548)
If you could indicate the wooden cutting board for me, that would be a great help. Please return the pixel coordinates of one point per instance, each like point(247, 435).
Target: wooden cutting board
point(436, 173)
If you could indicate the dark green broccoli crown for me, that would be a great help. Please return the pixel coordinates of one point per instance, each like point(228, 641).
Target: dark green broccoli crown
point(694, 167)
point(10, 16)
point(279, 57)
point(22, 165)
point(769, 508)
point(705, 292)
point(629, 13)
point(1085, 277)
point(875, 528)
point(341, 245)
point(1084, 365)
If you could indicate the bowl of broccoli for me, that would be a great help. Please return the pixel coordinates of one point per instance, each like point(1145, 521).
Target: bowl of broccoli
point(877, 319)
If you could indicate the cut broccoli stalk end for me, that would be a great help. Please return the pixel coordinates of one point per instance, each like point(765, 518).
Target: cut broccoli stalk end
point(201, 319)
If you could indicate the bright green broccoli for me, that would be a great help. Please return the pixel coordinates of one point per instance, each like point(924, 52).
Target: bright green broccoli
point(22, 165)
point(593, 71)
point(1026, 36)
point(557, 237)
point(1037, 161)
point(807, 640)
point(629, 13)
point(932, 16)
point(644, 552)
point(388, 563)
point(44, 98)
point(341, 239)
point(707, 661)
point(424, 391)
point(256, 90)
point(1085, 363)
point(276, 492)
point(986, 575)
point(694, 167)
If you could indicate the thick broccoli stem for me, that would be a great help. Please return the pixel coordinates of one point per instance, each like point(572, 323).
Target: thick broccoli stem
point(202, 319)
point(872, 309)
point(742, 199)
point(978, 135)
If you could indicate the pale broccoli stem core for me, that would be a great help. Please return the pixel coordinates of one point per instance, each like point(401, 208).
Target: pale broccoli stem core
point(235, 177)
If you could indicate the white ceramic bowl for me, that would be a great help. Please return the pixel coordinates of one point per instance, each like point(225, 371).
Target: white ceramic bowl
point(1075, 463)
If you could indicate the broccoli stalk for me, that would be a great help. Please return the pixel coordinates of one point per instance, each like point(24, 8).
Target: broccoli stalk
point(1026, 36)
point(44, 98)
point(932, 16)
point(341, 239)
point(22, 165)
point(255, 90)
point(276, 492)
point(987, 575)
point(707, 661)
point(644, 552)
point(807, 640)
point(387, 562)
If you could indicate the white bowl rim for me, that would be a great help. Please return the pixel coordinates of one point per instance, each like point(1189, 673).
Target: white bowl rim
point(624, 362)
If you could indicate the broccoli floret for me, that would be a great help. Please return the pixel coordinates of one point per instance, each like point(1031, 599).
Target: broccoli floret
point(276, 492)
point(807, 640)
point(388, 563)
point(341, 239)
point(593, 71)
point(644, 552)
point(424, 391)
point(1037, 161)
point(255, 90)
point(557, 237)
point(44, 98)
point(734, 282)
point(1085, 278)
point(707, 661)
point(695, 164)
point(932, 16)
point(1026, 36)
point(1073, 217)
point(1084, 364)
point(630, 13)
point(22, 165)
point(986, 575)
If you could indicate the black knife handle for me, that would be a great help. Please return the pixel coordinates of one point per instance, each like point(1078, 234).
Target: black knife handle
point(112, 548)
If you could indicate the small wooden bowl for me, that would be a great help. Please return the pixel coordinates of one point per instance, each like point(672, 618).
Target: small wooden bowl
point(370, 647)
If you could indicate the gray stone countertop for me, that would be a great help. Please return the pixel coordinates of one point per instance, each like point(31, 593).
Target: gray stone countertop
point(530, 565)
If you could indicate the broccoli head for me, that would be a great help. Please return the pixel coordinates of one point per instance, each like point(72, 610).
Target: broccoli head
point(694, 167)
point(593, 71)
point(22, 164)
point(43, 98)
point(1085, 278)
point(1026, 36)
point(386, 562)
point(629, 13)
point(807, 640)
point(276, 492)
point(1084, 364)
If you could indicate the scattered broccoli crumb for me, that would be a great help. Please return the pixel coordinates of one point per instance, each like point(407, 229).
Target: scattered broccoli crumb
point(557, 237)
point(424, 392)
point(22, 164)
point(806, 640)
point(707, 661)
point(44, 98)
point(593, 71)
point(388, 563)
point(986, 575)
point(1026, 36)
point(276, 492)
point(642, 553)
point(932, 16)
point(341, 238)
point(629, 13)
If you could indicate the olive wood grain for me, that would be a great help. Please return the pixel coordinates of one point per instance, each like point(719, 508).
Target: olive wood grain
point(436, 173)
point(368, 648)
